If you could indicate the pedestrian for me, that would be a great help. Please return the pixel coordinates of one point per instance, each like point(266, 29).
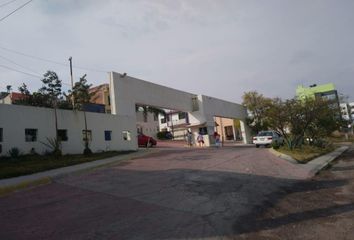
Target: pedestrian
point(200, 139)
point(189, 138)
point(217, 139)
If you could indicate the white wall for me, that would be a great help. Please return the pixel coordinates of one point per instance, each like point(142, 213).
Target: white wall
point(127, 91)
point(150, 127)
point(15, 118)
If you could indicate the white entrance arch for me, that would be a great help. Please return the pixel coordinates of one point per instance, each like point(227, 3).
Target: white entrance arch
point(126, 92)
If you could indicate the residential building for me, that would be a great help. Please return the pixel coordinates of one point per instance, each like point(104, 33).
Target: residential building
point(345, 110)
point(175, 122)
point(326, 91)
point(351, 110)
point(100, 95)
point(10, 98)
point(229, 129)
point(147, 124)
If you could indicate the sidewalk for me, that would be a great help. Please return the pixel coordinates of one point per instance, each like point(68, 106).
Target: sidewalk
point(315, 165)
point(10, 182)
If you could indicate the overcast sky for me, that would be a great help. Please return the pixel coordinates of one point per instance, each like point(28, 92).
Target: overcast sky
point(213, 47)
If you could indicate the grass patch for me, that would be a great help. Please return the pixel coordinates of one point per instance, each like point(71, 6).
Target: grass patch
point(306, 153)
point(29, 164)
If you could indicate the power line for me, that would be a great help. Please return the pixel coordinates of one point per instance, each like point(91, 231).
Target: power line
point(4, 4)
point(51, 61)
point(26, 73)
point(13, 62)
point(8, 15)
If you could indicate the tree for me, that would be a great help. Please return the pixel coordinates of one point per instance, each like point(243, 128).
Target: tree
point(149, 109)
point(50, 93)
point(257, 105)
point(8, 88)
point(298, 119)
point(81, 96)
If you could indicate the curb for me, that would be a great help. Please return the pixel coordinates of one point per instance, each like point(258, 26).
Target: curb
point(22, 182)
point(323, 161)
point(315, 165)
point(283, 156)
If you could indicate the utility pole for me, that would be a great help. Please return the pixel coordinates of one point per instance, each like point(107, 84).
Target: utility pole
point(72, 82)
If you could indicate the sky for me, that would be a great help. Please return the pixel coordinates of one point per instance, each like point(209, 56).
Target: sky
point(218, 48)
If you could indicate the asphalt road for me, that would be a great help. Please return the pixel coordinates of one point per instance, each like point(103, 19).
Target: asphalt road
point(172, 194)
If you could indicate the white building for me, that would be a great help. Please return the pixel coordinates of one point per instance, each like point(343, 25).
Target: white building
point(148, 124)
point(345, 111)
point(175, 122)
point(26, 128)
point(351, 110)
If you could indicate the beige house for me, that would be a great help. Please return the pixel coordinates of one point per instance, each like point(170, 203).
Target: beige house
point(228, 128)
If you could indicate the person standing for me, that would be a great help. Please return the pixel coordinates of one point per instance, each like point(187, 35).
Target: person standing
point(189, 138)
point(200, 140)
point(217, 139)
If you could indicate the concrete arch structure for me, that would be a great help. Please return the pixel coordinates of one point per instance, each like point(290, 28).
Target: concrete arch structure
point(126, 92)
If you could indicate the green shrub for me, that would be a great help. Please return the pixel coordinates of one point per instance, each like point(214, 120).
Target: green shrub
point(161, 135)
point(275, 145)
point(14, 152)
point(54, 145)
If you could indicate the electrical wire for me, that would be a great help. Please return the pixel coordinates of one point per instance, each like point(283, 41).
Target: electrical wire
point(8, 15)
point(51, 61)
point(7, 3)
point(13, 62)
point(29, 74)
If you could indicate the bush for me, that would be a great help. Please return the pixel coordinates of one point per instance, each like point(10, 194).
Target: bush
point(87, 151)
point(14, 152)
point(164, 135)
point(275, 145)
point(54, 145)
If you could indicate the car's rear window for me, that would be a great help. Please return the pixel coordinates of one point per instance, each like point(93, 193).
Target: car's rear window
point(265, 134)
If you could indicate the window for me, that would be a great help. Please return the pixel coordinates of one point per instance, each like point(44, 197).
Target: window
point(107, 135)
point(155, 117)
point(181, 115)
point(126, 135)
point(62, 135)
point(89, 135)
point(0, 134)
point(163, 120)
point(203, 130)
point(31, 135)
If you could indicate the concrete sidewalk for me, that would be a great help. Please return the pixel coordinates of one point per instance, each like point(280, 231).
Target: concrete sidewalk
point(315, 165)
point(321, 162)
point(4, 183)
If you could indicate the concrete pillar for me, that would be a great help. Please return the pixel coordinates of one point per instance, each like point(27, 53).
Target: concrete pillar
point(245, 131)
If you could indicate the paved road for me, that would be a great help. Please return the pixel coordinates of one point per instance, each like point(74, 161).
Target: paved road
point(174, 194)
point(321, 208)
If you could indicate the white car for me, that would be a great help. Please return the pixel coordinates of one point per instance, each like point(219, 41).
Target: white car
point(267, 138)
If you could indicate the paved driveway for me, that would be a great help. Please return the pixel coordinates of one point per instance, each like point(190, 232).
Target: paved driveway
point(173, 194)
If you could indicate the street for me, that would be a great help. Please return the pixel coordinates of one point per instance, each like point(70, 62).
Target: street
point(228, 193)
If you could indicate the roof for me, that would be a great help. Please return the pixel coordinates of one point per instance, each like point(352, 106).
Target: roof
point(15, 96)
point(3, 95)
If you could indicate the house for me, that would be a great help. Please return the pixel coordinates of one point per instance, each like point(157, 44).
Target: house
point(100, 95)
point(10, 98)
point(175, 122)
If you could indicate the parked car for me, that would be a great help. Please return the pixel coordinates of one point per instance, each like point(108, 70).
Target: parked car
point(267, 138)
point(146, 141)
